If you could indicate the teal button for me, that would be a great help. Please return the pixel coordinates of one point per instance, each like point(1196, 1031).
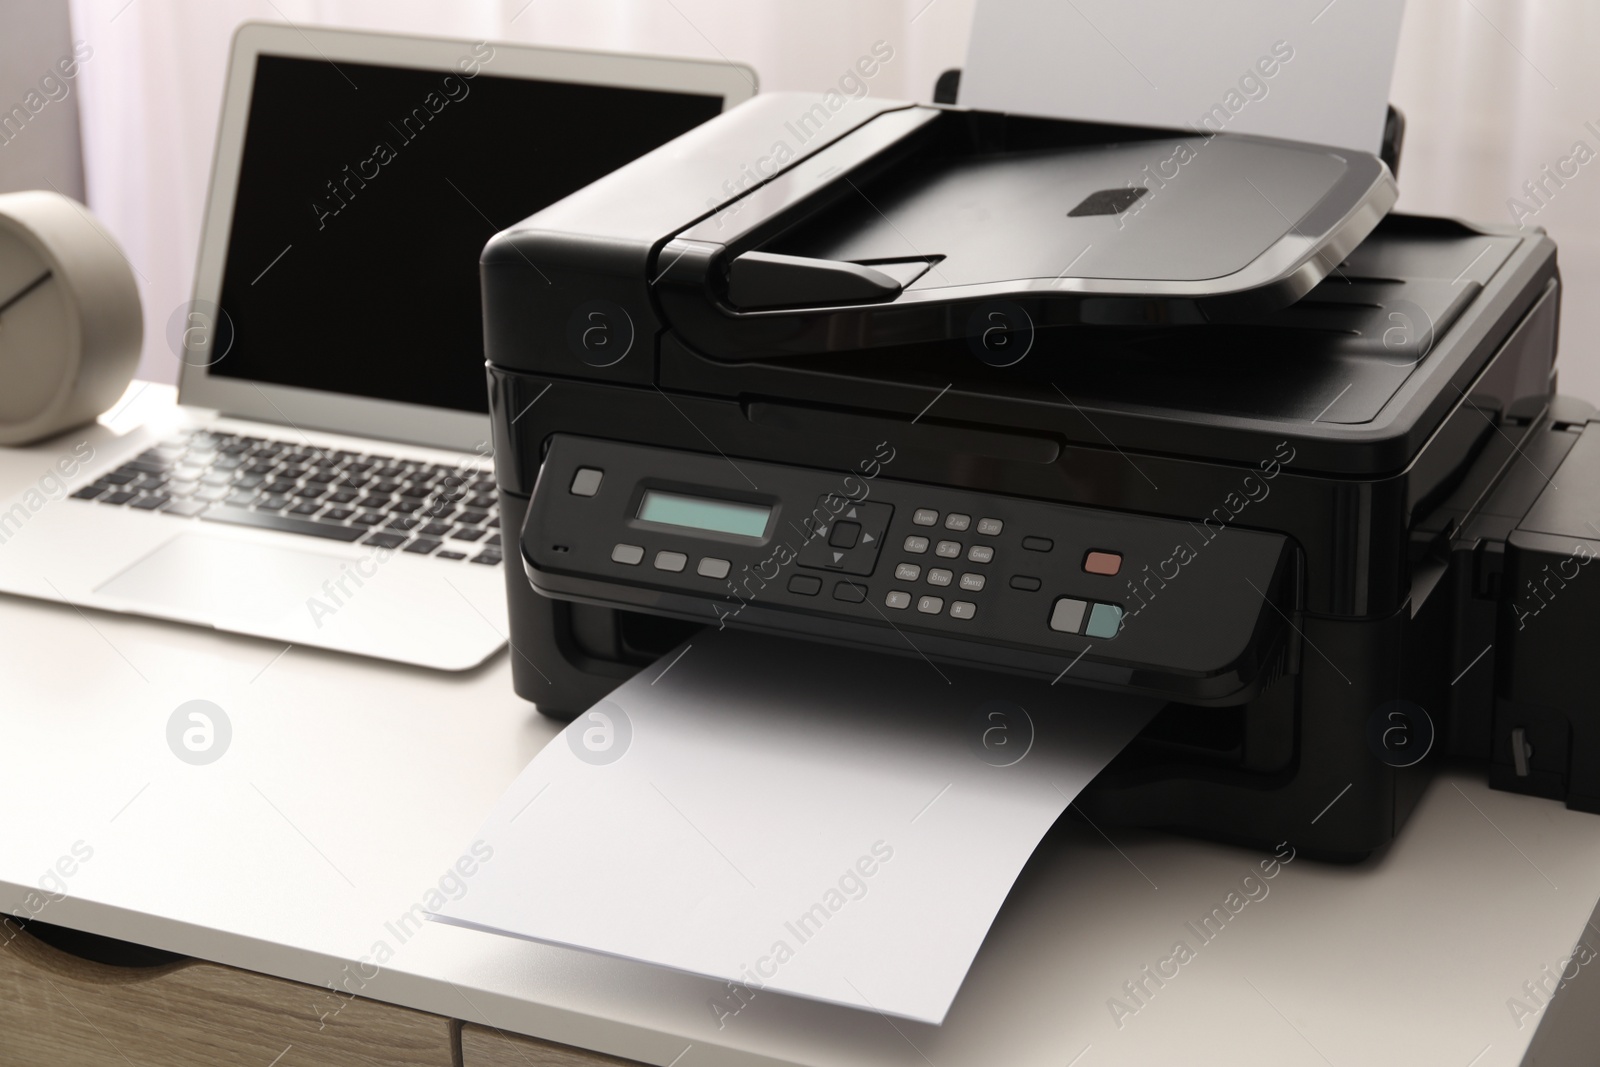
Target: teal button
point(1104, 621)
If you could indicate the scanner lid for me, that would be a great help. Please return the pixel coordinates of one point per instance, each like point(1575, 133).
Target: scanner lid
point(908, 227)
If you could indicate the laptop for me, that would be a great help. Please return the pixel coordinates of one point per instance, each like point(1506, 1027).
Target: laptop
point(328, 480)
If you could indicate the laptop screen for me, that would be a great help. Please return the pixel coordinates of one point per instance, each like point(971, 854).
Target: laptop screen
point(366, 194)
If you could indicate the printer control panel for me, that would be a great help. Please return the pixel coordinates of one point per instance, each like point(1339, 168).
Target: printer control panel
point(949, 572)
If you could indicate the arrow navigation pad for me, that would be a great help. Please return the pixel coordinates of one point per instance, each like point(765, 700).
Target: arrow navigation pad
point(845, 537)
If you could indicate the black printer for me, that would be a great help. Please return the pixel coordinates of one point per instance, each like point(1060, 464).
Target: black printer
point(1262, 450)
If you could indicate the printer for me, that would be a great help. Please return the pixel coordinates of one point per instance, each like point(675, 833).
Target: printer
point(1191, 417)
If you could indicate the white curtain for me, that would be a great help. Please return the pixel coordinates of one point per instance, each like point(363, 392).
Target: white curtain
point(1493, 91)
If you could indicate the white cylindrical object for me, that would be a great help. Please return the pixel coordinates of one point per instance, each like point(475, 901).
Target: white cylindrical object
point(70, 322)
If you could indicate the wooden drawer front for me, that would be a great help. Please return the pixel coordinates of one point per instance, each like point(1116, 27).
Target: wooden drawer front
point(483, 1046)
point(57, 1010)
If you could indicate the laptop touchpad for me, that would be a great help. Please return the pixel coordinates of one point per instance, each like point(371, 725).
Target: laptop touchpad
point(221, 581)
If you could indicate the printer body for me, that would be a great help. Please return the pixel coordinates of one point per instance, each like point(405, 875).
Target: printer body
point(1308, 502)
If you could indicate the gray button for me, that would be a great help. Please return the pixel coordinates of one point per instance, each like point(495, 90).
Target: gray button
point(939, 576)
point(991, 527)
point(671, 561)
point(850, 592)
point(916, 544)
point(930, 605)
point(957, 521)
point(587, 481)
point(948, 549)
point(1067, 617)
point(629, 554)
point(712, 567)
point(925, 516)
point(980, 553)
point(963, 609)
point(907, 572)
point(972, 583)
point(897, 598)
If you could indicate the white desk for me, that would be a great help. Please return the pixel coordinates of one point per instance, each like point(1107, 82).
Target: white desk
point(351, 785)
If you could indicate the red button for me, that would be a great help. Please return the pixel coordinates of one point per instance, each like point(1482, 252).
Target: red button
point(1102, 563)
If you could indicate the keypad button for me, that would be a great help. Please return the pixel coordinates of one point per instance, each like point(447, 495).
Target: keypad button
point(907, 572)
point(1104, 621)
point(980, 553)
point(957, 521)
point(1107, 563)
point(587, 481)
point(850, 592)
point(805, 585)
point(939, 576)
point(930, 605)
point(916, 545)
point(712, 567)
point(1067, 616)
point(972, 583)
point(1025, 582)
point(844, 534)
point(671, 561)
point(925, 516)
point(627, 554)
point(990, 527)
point(948, 549)
point(897, 598)
point(963, 609)
point(1038, 544)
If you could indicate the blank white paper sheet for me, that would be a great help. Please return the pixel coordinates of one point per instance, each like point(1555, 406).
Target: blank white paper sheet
point(793, 817)
point(1304, 70)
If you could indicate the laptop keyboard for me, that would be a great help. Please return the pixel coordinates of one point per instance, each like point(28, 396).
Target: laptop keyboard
point(428, 509)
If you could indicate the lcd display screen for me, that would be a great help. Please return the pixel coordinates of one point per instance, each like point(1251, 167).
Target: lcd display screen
point(699, 513)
